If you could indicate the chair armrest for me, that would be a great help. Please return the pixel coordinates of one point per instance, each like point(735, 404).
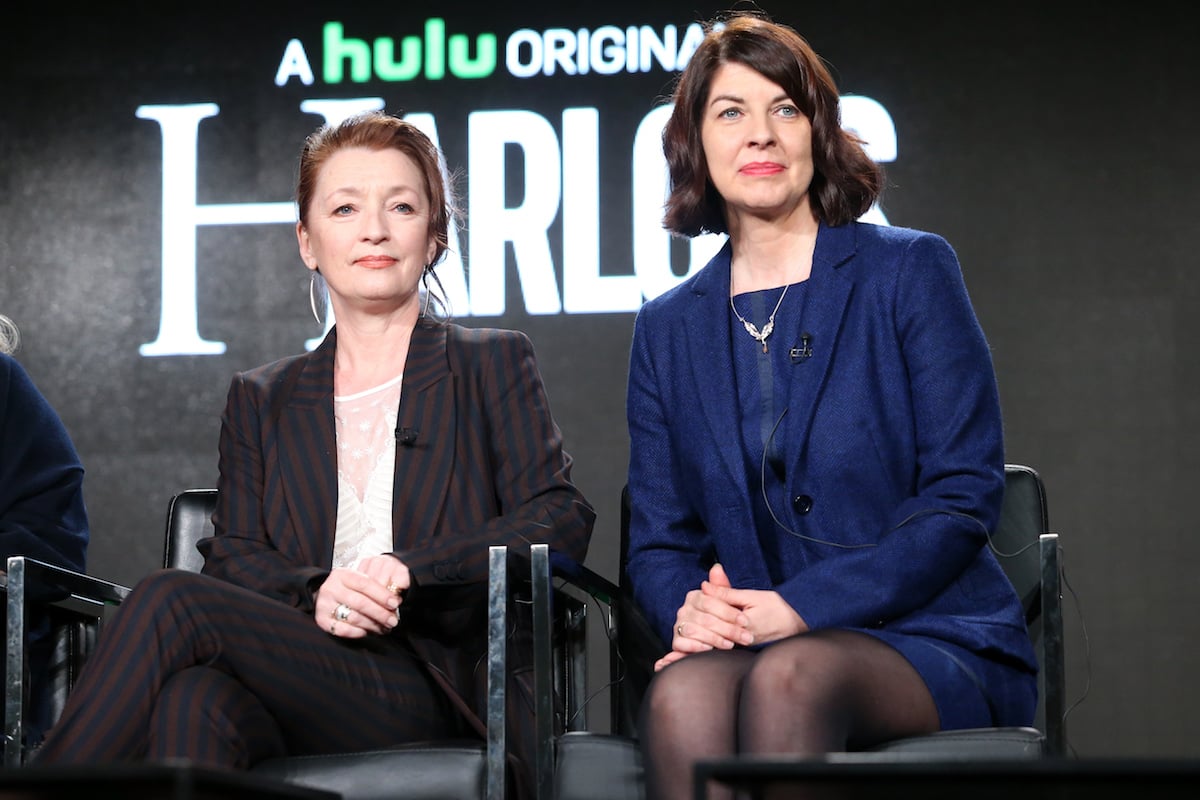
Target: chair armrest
point(556, 565)
point(28, 581)
point(579, 576)
point(540, 574)
point(1054, 661)
point(631, 640)
point(50, 583)
point(497, 672)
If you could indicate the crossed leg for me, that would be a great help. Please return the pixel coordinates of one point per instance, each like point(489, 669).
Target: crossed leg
point(194, 667)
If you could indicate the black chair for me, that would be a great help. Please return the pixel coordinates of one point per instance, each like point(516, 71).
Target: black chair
point(573, 761)
point(436, 770)
point(76, 606)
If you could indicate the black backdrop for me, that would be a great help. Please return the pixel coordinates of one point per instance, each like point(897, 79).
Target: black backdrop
point(1053, 144)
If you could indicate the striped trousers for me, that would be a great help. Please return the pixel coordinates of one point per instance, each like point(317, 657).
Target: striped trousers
point(194, 667)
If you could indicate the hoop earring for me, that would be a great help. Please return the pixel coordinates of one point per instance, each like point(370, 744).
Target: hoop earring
point(312, 297)
point(425, 282)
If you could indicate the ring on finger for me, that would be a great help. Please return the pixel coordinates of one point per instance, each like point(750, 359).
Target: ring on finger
point(342, 612)
point(394, 589)
point(333, 627)
point(679, 629)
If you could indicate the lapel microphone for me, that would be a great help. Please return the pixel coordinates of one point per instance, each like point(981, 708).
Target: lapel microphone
point(407, 437)
point(803, 352)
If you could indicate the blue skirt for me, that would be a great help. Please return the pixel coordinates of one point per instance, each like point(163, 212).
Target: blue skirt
point(969, 690)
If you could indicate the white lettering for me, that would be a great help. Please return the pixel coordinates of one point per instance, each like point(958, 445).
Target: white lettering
point(582, 52)
point(559, 50)
point(872, 123)
point(492, 225)
point(553, 177)
point(178, 331)
point(661, 48)
point(294, 64)
point(607, 51)
point(584, 289)
point(512, 53)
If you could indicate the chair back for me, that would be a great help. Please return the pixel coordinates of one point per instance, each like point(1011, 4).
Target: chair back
point(189, 519)
point(1029, 556)
point(1023, 519)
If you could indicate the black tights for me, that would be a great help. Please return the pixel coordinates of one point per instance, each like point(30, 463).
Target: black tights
point(814, 693)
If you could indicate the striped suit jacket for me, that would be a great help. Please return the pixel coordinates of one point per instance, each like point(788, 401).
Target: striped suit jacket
point(486, 468)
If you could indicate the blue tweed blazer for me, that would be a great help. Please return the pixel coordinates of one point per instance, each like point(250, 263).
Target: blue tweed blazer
point(893, 435)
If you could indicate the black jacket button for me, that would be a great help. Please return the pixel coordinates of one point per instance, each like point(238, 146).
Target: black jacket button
point(802, 503)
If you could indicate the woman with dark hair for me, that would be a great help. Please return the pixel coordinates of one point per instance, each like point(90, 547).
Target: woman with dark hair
point(342, 604)
point(816, 446)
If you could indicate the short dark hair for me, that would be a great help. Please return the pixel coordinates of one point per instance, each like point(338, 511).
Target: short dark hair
point(846, 181)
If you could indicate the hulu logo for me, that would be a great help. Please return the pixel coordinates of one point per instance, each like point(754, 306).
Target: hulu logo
point(432, 53)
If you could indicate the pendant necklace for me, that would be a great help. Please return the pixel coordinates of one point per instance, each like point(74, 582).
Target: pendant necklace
point(755, 333)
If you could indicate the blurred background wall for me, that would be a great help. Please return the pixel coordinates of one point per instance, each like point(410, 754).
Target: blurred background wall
point(147, 159)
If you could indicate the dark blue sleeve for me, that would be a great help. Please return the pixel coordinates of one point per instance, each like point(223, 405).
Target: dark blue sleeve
point(42, 513)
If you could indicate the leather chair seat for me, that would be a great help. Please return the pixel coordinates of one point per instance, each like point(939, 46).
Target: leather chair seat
point(418, 771)
point(598, 766)
point(971, 744)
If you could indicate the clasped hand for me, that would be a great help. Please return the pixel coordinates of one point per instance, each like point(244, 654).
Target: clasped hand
point(718, 616)
point(354, 602)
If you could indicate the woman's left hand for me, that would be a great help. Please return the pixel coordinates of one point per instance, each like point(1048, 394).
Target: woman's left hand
point(352, 603)
point(763, 616)
point(769, 617)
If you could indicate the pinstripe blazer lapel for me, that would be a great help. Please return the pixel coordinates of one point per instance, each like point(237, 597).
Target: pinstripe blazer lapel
point(424, 468)
point(308, 467)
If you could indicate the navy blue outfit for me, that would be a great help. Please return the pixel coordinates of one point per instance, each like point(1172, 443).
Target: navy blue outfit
point(856, 468)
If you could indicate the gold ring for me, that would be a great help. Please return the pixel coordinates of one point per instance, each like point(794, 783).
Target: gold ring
point(394, 589)
point(679, 629)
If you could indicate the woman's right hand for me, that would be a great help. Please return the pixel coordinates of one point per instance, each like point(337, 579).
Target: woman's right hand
point(354, 602)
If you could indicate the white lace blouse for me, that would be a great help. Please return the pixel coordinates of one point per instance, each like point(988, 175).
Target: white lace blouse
point(366, 457)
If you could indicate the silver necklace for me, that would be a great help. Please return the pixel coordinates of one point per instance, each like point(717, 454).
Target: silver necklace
point(755, 333)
